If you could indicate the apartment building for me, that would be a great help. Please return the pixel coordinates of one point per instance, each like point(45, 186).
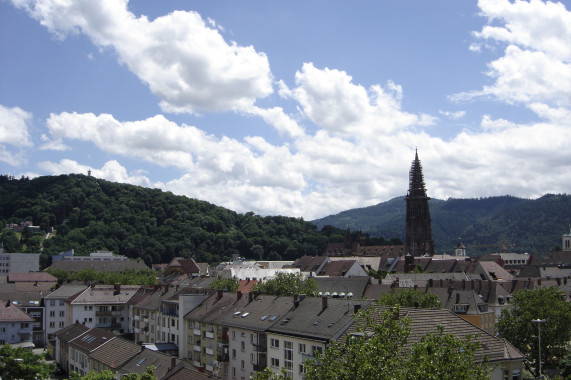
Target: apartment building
point(55, 308)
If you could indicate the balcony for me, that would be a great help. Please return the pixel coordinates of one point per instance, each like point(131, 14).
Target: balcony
point(209, 351)
point(209, 367)
point(196, 331)
point(260, 347)
point(102, 313)
point(136, 317)
point(209, 335)
point(196, 363)
point(137, 330)
point(197, 348)
point(259, 366)
point(223, 357)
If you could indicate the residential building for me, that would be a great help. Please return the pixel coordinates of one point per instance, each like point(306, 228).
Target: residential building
point(81, 347)
point(145, 358)
point(19, 262)
point(205, 339)
point(246, 332)
point(15, 324)
point(112, 355)
point(505, 361)
point(61, 345)
point(102, 306)
point(307, 328)
point(55, 308)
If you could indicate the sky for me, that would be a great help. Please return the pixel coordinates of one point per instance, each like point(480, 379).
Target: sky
point(296, 108)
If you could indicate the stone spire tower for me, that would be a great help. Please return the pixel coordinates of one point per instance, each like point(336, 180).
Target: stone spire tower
point(418, 228)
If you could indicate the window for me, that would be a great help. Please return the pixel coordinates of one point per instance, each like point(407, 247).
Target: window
point(61, 324)
point(52, 313)
point(302, 348)
point(3, 329)
point(233, 334)
point(233, 371)
point(288, 355)
point(242, 364)
point(61, 303)
point(172, 322)
point(52, 325)
point(301, 368)
point(233, 353)
point(275, 362)
point(275, 343)
point(52, 302)
point(316, 349)
point(24, 325)
point(62, 313)
point(242, 346)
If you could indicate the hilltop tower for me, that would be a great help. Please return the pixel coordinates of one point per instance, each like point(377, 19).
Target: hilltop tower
point(418, 225)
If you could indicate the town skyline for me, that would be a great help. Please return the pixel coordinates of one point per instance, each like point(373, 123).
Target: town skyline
point(291, 109)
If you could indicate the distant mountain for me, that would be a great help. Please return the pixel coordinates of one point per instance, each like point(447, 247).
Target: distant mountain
point(483, 225)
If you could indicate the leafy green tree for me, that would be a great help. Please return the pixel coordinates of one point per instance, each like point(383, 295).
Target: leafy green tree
point(149, 374)
point(409, 297)
point(21, 363)
point(222, 283)
point(379, 351)
point(515, 324)
point(287, 284)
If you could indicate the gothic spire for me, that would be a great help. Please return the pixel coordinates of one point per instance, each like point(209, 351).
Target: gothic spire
point(416, 179)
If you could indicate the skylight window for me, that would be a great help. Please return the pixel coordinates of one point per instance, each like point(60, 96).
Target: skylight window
point(264, 317)
point(141, 361)
point(273, 318)
point(237, 313)
point(245, 314)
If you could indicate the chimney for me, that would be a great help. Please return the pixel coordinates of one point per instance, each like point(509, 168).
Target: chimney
point(173, 362)
point(250, 296)
point(415, 287)
point(441, 282)
point(356, 308)
point(238, 295)
point(463, 284)
point(323, 303)
point(219, 294)
point(117, 289)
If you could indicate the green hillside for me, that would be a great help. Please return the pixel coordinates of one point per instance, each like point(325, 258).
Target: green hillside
point(90, 214)
point(532, 225)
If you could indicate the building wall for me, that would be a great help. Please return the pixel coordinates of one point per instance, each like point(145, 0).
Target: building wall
point(55, 316)
point(247, 353)
point(300, 349)
point(19, 262)
point(15, 332)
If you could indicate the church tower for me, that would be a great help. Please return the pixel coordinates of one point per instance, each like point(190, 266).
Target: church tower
point(418, 228)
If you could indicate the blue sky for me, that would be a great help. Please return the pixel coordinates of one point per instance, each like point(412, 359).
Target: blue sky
point(298, 108)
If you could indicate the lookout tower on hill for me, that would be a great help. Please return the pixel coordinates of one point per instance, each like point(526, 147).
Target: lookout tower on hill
point(418, 225)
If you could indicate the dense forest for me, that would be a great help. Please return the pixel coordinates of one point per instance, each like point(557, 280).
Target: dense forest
point(483, 225)
point(89, 214)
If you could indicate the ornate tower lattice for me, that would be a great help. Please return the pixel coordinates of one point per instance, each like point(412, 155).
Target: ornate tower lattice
point(418, 224)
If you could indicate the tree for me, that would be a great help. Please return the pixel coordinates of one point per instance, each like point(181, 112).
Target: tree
point(21, 363)
point(409, 297)
point(381, 350)
point(515, 324)
point(149, 374)
point(286, 284)
point(221, 283)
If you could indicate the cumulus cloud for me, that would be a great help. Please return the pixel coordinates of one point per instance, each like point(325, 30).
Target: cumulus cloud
point(184, 60)
point(14, 126)
point(536, 65)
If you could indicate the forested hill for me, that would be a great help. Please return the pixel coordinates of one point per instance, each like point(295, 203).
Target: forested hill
point(483, 224)
point(90, 214)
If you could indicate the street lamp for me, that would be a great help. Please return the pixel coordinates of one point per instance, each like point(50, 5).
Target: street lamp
point(539, 322)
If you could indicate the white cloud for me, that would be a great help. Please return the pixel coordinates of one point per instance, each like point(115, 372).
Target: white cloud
point(536, 65)
point(186, 63)
point(331, 100)
point(14, 126)
point(454, 115)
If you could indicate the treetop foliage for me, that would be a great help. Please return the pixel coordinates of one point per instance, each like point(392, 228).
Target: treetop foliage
point(409, 297)
point(287, 284)
point(515, 325)
point(21, 363)
point(90, 214)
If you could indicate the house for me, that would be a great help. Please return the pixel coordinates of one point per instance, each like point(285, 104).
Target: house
point(246, 332)
point(307, 328)
point(81, 347)
point(28, 296)
point(62, 339)
point(181, 265)
point(15, 324)
point(103, 306)
point(350, 287)
point(505, 361)
point(243, 270)
point(205, 341)
point(55, 306)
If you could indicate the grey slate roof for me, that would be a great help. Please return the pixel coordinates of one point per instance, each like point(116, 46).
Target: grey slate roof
point(66, 291)
point(215, 308)
point(140, 362)
point(355, 285)
point(100, 265)
point(310, 320)
point(258, 314)
point(425, 321)
point(92, 339)
point(71, 332)
point(115, 352)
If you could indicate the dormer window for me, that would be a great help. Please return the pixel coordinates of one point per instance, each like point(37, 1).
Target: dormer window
point(460, 308)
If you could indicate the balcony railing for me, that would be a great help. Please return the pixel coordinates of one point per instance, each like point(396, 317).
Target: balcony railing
point(223, 357)
point(210, 335)
point(260, 347)
point(102, 313)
